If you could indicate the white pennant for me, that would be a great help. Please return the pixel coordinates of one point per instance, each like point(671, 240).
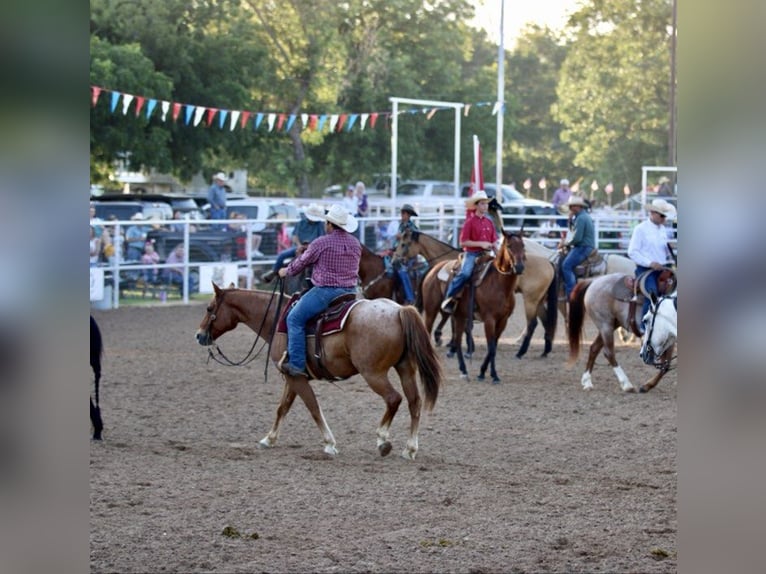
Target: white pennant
point(234, 118)
point(333, 122)
point(495, 108)
point(199, 111)
point(165, 109)
point(271, 118)
point(363, 121)
point(126, 99)
point(305, 120)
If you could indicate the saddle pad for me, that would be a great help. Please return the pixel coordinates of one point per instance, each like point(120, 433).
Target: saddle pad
point(334, 317)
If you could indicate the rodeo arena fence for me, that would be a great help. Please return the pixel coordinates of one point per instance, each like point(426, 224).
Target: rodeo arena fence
point(237, 257)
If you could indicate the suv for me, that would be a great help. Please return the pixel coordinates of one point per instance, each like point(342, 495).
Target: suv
point(514, 205)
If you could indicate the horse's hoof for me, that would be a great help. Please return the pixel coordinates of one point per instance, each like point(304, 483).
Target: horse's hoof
point(481, 378)
point(518, 355)
point(330, 449)
point(384, 449)
point(629, 390)
point(450, 354)
point(468, 355)
point(495, 381)
point(643, 389)
point(464, 377)
point(263, 444)
point(407, 454)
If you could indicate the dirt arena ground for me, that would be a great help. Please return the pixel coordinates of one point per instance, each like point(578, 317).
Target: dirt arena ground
point(532, 475)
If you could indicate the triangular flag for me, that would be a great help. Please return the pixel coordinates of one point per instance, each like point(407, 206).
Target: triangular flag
point(209, 116)
point(333, 121)
point(431, 113)
point(115, 100)
point(373, 119)
point(270, 119)
point(305, 120)
point(188, 112)
point(177, 111)
point(351, 121)
point(234, 118)
point(280, 122)
point(150, 105)
point(126, 99)
point(313, 119)
point(341, 121)
point(363, 121)
point(495, 108)
point(95, 92)
point(139, 104)
point(258, 120)
point(165, 105)
point(466, 109)
point(290, 122)
point(322, 120)
point(199, 111)
point(222, 118)
point(243, 119)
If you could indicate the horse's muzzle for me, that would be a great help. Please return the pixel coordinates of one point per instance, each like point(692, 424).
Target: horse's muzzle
point(204, 338)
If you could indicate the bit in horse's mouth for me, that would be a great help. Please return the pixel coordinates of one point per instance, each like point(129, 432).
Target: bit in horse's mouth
point(204, 338)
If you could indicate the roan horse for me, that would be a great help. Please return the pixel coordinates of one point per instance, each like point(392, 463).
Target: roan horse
point(661, 331)
point(605, 300)
point(376, 336)
point(96, 351)
point(492, 300)
point(537, 285)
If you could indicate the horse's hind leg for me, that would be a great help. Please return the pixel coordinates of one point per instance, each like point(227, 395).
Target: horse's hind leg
point(95, 419)
point(378, 382)
point(608, 345)
point(410, 388)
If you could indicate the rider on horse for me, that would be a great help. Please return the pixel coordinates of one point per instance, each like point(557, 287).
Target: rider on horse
point(402, 265)
point(650, 250)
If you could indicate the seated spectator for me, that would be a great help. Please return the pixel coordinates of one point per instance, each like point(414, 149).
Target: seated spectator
point(175, 275)
point(150, 257)
point(178, 225)
point(135, 237)
point(95, 247)
point(283, 238)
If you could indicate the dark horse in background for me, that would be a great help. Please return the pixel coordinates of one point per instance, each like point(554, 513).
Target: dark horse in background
point(96, 351)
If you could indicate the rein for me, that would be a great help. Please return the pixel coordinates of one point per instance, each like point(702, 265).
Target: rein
point(222, 359)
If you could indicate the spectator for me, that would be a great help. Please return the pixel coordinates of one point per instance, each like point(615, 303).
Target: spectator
point(95, 247)
point(284, 240)
point(549, 233)
point(178, 224)
point(310, 226)
point(150, 257)
point(402, 266)
point(175, 275)
point(477, 236)
point(135, 237)
point(216, 197)
point(95, 221)
point(649, 248)
point(350, 202)
point(335, 257)
point(362, 205)
point(257, 239)
point(118, 239)
point(581, 242)
point(560, 198)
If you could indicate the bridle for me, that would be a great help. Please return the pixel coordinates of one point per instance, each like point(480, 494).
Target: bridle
point(507, 248)
point(647, 350)
point(220, 357)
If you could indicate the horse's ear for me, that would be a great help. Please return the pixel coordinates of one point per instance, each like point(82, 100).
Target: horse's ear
point(216, 289)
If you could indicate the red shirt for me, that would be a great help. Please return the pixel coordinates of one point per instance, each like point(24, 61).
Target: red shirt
point(335, 258)
point(478, 228)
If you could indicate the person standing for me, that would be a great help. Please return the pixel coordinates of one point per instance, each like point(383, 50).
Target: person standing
point(581, 241)
point(335, 257)
point(402, 266)
point(216, 197)
point(310, 226)
point(649, 248)
point(560, 200)
point(477, 236)
point(350, 202)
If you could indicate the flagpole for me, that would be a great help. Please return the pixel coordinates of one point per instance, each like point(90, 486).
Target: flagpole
point(500, 105)
point(476, 165)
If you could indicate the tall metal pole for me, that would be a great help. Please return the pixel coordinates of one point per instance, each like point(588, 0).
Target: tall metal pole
point(672, 139)
point(500, 105)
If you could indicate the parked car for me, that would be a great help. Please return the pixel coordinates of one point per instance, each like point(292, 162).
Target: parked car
point(177, 201)
point(124, 210)
point(515, 204)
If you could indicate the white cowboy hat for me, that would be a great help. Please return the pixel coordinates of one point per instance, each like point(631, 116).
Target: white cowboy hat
point(221, 177)
point(480, 195)
point(576, 200)
point(564, 181)
point(314, 212)
point(138, 216)
point(337, 215)
point(663, 207)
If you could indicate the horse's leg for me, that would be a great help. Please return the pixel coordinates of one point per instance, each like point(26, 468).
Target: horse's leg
point(301, 386)
point(288, 396)
point(489, 361)
point(438, 331)
point(666, 356)
point(378, 382)
point(410, 388)
point(607, 337)
point(528, 332)
point(595, 349)
point(95, 419)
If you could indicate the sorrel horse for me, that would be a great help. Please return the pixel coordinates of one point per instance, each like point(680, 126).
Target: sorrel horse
point(377, 335)
point(492, 300)
point(373, 280)
point(537, 285)
point(96, 351)
point(661, 331)
point(605, 300)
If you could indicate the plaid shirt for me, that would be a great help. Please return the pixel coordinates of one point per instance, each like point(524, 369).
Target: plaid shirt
point(335, 258)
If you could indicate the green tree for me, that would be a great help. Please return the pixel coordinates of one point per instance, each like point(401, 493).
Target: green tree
point(614, 87)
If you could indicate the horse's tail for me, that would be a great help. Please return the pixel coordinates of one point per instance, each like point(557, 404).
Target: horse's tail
point(417, 343)
point(96, 351)
point(551, 305)
point(576, 318)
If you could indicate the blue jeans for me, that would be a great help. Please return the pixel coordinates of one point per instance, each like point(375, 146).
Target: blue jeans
point(219, 214)
point(650, 285)
point(469, 261)
point(313, 302)
point(286, 254)
point(404, 277)
point(575, 256)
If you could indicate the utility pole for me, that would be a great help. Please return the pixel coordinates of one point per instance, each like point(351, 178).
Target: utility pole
point(500, 106)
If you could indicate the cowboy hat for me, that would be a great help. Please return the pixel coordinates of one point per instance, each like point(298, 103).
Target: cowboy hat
point(314, 212)
point(564, 181)
point(138, 216)
point(576, 200)
point(337, 215)
point(409, 209)
point(480, 195)
point(663, 207)
point(221, 177)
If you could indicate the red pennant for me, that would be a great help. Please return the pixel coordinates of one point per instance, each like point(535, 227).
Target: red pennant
point(139, 104)
point(341, 121)
point(243, 119)
point(313, 119)
point(373, 119)
point(176, 110)
point(280, 121)
point(210, 115)
point(95, 92)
